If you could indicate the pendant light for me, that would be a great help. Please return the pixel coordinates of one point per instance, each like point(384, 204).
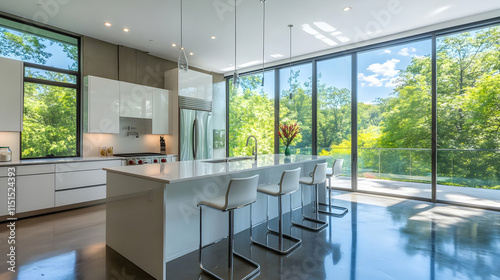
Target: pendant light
point(263, 35)
point(236, 77)
point(290, 66)
point(182, 61)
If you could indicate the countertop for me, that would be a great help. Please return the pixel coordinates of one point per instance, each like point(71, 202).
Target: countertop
point(180, 171)
point(55, 160)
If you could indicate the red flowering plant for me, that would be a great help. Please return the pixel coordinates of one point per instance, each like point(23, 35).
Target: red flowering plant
point(288, 132)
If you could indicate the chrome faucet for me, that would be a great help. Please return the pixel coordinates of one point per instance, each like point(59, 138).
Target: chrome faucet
point(255, 150)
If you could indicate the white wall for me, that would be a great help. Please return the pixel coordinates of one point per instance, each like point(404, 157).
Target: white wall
point(121, 142)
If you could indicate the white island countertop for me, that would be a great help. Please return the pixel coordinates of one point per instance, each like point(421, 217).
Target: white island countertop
point(180, 171)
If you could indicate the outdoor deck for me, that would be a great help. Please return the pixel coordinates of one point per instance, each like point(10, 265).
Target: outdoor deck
point(476, 196)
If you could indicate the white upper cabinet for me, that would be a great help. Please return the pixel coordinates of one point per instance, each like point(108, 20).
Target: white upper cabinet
point(101, 105)
point(195, 84)
point(11, 95)
point(136, 101)
point(160, 111)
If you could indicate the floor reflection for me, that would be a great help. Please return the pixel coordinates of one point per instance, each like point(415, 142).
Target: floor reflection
point(379, 238)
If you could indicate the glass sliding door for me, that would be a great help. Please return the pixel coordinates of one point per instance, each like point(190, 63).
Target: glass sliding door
point(296, 105)
point(334, 114)
point(469, 117)
point(394, 119)
point(251, 112)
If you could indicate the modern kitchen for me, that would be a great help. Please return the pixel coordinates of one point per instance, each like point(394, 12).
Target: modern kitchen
point(259, 139)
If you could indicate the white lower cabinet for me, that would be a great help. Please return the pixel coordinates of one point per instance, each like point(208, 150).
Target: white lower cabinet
point(71, 180)
point(34, 192)
point(73, 196)
point(44, 186)
point(3, 197)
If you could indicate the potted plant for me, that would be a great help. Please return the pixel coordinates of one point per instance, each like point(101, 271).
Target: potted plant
point(287, 133)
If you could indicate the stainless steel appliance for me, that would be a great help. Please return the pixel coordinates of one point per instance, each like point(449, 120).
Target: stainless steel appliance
point(146, 158)
point(196, 133)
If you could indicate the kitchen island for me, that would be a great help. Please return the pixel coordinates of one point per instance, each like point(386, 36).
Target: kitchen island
point(152, 217)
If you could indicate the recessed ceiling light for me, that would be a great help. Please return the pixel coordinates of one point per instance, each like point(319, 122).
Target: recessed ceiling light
point(191, 53)
point(174, 45)
point(212, 37)
point(277, 55)
point(126, 29)
point(347, 9)
point(108, 24)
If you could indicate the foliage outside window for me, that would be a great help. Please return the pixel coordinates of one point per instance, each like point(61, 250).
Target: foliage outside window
point(251, 112)
point(50, 120)
point(296, 105)
point(468, 75)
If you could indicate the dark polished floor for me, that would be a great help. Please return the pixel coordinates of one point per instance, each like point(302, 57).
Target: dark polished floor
point(380, 238)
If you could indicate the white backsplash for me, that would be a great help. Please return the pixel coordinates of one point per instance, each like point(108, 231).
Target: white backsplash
point(12, 140)
point(121, 142)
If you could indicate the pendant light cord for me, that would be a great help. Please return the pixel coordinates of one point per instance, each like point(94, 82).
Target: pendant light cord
point(182, 46)
point(290, 62)
point(235, 37)
point(263, 37)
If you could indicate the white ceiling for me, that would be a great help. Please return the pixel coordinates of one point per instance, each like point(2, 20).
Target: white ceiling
point(155, 24)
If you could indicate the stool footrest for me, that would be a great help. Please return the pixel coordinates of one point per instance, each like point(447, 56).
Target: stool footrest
point(342, 213)
point(251, 275)
point(322, 224)
point(297, 242)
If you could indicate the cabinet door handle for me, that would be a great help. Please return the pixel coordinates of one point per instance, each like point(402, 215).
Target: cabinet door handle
point(194, 140)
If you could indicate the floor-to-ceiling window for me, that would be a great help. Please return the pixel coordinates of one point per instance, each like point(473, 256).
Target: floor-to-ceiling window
point(296, 105)
point(251, 112)
point(334, 114)
point(468, 95)
point(395, 86)
point(394, 119)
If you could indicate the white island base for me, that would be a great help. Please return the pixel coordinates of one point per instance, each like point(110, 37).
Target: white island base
point(151, 215)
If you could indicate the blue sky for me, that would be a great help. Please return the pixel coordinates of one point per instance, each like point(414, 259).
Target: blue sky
point(377, 70)
point(58, 59)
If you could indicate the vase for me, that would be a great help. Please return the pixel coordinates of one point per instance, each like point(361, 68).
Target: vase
point(287, 151)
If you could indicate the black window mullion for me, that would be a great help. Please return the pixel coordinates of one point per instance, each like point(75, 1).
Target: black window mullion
point(314, 125)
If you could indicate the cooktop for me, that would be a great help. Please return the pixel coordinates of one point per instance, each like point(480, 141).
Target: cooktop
point(139, 155)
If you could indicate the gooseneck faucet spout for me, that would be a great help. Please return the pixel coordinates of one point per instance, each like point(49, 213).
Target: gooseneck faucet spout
point(255, 150)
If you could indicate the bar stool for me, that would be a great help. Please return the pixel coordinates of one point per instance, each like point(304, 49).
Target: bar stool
point(318, 177)
point(334, 172)
point(240, 193)
point(288, 184)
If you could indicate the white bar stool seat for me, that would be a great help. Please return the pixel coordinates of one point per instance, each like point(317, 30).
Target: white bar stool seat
point(318, 177)
point(288, 184)
point(335, 171)
point(241, 192)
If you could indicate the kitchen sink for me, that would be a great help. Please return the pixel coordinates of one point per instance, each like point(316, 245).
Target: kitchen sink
point(221, 160)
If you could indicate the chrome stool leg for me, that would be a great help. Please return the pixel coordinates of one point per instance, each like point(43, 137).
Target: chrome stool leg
point(321, 224)
point(231, 252)
point(343, 210)
point(279, 250)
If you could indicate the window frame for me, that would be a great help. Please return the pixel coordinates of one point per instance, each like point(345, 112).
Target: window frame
point(77, 86)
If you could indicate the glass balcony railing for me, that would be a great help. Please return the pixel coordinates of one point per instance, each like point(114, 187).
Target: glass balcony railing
point(478, 168)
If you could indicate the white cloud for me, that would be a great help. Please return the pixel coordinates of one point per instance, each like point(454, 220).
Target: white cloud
point(387, 51)
point(386, 69)
point(372, 80)
point(392, 83)
point(407, 51)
